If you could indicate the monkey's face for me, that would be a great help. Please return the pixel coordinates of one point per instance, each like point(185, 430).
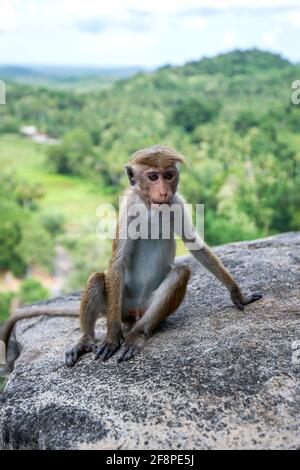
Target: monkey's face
point(157, 186)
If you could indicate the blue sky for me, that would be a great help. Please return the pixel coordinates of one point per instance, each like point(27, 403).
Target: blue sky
point(143, 32)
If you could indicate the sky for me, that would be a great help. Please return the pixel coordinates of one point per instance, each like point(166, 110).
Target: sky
point(145, 33)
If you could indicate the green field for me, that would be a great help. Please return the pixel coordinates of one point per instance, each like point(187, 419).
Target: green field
point(75, 198)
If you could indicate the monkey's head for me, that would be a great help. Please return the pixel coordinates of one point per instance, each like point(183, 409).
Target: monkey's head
point(154, 173)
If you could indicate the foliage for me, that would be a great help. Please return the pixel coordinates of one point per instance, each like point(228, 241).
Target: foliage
point(237, 63)
point(73, 154)
point(31, 291)
point(89, 255)
point(53, 223)
point(23, 239)
point(5, 304)
point(10, 236)
point(230, 115)
point(36, 246)
point(2, 383)
point(193, 112)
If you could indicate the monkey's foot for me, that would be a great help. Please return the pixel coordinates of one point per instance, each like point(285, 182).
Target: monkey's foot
point(73, 354)
point(241, 303)
point(108, 349)
point(134, 342)
point(128, 352)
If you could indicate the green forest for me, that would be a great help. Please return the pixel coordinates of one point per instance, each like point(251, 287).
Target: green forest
point(231, 116)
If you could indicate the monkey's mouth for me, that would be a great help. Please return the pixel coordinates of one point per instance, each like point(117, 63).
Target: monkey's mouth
point(160, 203)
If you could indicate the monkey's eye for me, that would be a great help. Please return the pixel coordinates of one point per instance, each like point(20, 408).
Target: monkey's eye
point(153, 176)
point(168, 176)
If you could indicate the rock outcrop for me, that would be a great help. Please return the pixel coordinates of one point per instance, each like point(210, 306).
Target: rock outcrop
point(211, 377)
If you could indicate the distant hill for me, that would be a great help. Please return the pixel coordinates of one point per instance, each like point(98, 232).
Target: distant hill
point(231, 64)
point(237, 62)
point(11, 72)
point(64, 77)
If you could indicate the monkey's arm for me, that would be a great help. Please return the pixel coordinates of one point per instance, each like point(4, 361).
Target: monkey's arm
point(212, 263)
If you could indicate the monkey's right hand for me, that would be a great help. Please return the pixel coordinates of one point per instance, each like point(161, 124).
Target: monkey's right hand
point(73, 354)
point(108, 348)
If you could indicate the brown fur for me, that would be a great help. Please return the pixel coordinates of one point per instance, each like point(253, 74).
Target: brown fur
point(103, 292)
point(171, 297)
point(93, 303)
point(157, 156)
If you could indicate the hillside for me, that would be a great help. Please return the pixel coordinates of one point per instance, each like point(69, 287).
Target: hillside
point(230, 115)
point(59, 77)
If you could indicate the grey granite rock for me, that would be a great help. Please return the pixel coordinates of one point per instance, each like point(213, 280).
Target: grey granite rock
point(211, 377)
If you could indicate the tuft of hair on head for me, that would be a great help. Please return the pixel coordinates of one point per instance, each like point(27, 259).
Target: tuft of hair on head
point(157, 156)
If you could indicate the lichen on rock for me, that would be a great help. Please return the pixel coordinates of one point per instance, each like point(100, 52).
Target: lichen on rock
point(210, 377)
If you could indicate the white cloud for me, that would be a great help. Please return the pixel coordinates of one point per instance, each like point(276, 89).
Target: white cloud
point(269, 39)
point(9, 15)
point(143, 32)
point(196, 22)
point(72, 11)
point(229, 39)
point(294, 17)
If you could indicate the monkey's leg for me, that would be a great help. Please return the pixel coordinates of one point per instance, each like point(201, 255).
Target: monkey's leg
point(114, 296)
point(164, 301)
point(93, 303)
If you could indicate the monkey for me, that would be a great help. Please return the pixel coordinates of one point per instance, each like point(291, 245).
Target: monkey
point(143, 284)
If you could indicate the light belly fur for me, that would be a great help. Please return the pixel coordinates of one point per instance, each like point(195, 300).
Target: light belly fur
point(152, 261)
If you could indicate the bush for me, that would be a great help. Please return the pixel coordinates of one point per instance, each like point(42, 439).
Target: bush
point(244, 121)
point(36, 246)
point(31, 291)
point(72, 154)
point(193, 112)
point(53, 223)
point(23, 241)
point(5, 304)
point(11, 217)
point(8, 125)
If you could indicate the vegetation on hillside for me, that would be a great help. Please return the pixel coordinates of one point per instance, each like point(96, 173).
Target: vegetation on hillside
point(231, 116)
point(65, 78)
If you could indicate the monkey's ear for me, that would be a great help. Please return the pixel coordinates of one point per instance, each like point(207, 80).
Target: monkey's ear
point(130, 174)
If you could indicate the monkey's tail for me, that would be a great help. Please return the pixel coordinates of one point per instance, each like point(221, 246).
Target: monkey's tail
point(36, 311)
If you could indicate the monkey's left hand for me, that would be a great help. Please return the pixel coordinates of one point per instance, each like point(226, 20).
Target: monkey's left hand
point(128, 352)
point(134, 341)
point(240, 300)
point(108, 348)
